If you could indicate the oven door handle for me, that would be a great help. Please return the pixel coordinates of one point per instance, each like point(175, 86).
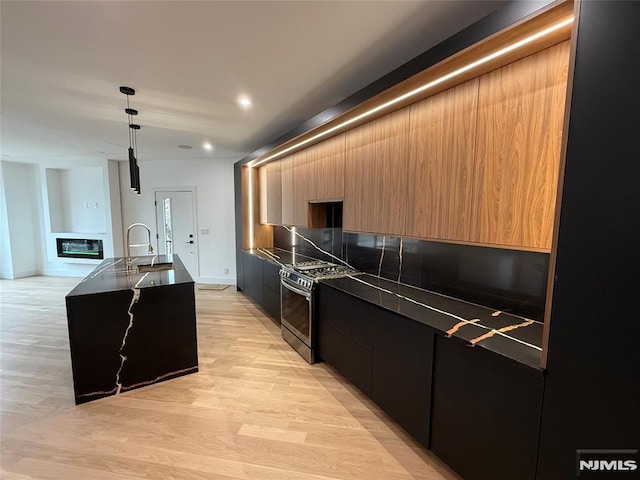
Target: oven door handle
point(305, 294)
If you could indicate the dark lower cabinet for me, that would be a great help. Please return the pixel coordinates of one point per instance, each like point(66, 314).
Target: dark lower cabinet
point(271, 289)
point(271, 276)
point(385, 355)
point(346, 314)
point(401, 374)
point(271, 303)
point(344, 335)
point(253, 277)
point(350, 359)
point(261, 282)
point(485, 413)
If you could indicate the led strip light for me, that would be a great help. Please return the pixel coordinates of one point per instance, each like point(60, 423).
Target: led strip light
point(400, 98)
point(422, 88)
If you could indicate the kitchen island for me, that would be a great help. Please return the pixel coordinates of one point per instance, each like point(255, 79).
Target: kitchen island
point(129, 329)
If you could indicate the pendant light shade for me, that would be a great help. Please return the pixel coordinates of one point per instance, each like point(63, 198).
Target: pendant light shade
point(134, 170)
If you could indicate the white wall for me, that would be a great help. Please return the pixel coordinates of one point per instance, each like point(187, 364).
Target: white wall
point(22, 197)
point(6, 265)
point(77, 199)
point(70, 192)
point(213, 181)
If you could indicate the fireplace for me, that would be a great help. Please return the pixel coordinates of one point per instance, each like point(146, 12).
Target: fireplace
point(80, 248)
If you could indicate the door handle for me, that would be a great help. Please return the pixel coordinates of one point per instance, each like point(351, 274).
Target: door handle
point(190, 241)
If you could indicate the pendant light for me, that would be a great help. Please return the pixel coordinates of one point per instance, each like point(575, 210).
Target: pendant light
point(134, 170)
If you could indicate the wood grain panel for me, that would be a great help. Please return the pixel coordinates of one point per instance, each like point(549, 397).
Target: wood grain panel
point(274, 193)
point(441, 152)
point(544, 18)
point(325, 170)
point(286, 177)
point(262, 180)
point(262, 234)
point(376, 167)
point(301, 180)
point(520, 121)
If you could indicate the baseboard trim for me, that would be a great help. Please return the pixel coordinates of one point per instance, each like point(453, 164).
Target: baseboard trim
point(218, 280)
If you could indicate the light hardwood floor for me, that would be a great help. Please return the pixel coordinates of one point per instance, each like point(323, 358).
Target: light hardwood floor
point(254, 411)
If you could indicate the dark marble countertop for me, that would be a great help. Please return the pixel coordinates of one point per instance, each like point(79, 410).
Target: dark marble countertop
point(515, 338)
point(111, 275)
point(279, 256)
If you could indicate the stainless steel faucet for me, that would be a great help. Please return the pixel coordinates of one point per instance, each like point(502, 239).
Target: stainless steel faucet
point(150, 247)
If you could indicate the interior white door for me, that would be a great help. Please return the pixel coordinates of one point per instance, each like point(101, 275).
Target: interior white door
point(176, 227)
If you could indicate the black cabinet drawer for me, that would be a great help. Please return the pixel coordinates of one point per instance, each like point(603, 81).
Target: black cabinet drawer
point(486, 413)
point(401, 376)
point(346, 314)
point(271, 302)
point(253, 277)
point(349, 358)
point(271, 275)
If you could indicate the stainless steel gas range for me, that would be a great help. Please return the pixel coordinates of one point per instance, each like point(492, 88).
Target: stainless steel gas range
point(297, 302)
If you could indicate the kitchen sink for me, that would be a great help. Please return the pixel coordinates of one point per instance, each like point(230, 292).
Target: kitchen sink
point(156, 267)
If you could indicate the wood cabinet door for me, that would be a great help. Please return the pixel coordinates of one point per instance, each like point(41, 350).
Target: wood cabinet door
point(325, 170)
point(273, 194)
point(301, 181)
point(442, 137)
point(520, 121)
point(286, 178)
point(375, 197)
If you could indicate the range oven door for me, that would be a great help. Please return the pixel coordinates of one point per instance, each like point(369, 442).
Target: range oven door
point(297, 318)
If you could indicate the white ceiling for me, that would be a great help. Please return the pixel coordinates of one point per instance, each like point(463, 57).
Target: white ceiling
point(62, 64)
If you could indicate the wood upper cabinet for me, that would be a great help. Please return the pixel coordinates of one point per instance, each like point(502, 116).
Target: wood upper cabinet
point(520, 121)
point(271, 193)
point(375, 197)
point(301, 182)
point(442, 138)
point(286, 178)
point(324, 170)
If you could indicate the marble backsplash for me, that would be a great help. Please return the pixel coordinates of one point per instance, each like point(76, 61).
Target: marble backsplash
point(513, 281)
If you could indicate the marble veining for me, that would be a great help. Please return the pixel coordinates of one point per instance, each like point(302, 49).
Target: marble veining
point(102, 269)
point(274, 258)
point(316, 246)
point(500, 331)
point(384, 242)
point(400, 260)
point(462, 321)
point(472, 322)
point(124, 338)
point(117, 390)
point(123, 358)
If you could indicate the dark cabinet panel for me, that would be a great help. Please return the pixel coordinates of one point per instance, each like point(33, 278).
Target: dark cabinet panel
point(485, 413)
point(402, 366)
point(344, 335)
point(271, 289)
point(253, 277)
point(271, 275)
point(347, 315)
point(271, 303)
point(345, 355)
point(387, 356)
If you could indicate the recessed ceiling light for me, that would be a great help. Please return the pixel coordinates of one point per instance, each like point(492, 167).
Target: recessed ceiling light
point(207, 146)
point(245, 102)
point(185, 147)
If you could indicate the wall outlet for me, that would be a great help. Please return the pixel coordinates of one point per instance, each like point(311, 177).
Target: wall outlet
point(204, 231)
point(226, 271)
